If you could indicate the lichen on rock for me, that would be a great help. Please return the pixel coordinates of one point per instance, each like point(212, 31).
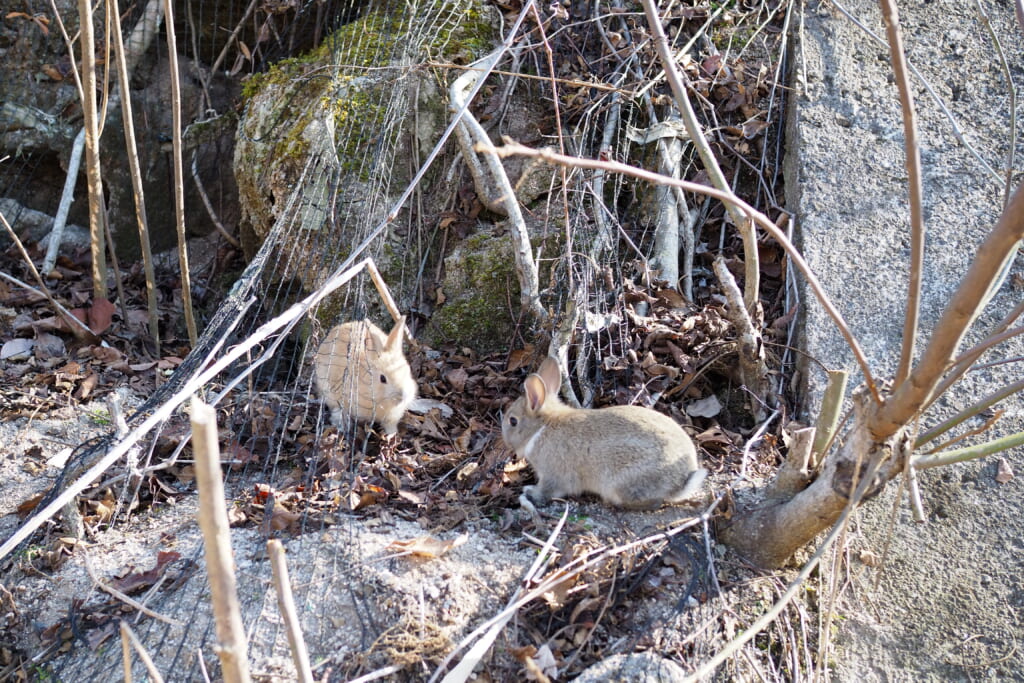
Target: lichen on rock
point(338, 123)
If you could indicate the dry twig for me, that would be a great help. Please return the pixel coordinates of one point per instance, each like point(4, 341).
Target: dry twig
point(92, 150)
point(510, 148)
point(913, 163)
point(220, 565)
point(126, 599)
point(286, 603)
point(179, 174)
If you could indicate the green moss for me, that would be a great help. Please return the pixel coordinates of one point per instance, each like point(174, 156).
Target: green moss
point(479, 283)
point(342, 88)
point(326, 75)
point(469, 35)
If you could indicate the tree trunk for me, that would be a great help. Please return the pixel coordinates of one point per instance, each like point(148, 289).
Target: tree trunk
point(768, 533)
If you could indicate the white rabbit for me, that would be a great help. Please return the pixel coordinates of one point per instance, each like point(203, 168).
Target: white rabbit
point(630, 456)
point(362, 374)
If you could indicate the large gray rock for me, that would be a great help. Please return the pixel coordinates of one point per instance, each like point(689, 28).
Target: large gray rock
point(950, 595)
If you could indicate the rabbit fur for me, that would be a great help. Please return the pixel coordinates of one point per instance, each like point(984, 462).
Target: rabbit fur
point(630, 456)
point(362, 374)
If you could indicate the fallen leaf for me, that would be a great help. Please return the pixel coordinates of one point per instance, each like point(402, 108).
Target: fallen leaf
point(523, 653)
point(237, 454)
point(595, 322)
point(102, 510)
point(671, 298)
point(87, 385)
point(61, 458)
point(70, 370)
point(543, 666)
point(660, 369)
point(282, 517)
point(425, 546)
point(30, 504)
point(457, 379)
point(432, 425)
point(519, 358)
point(185, 474)
point(410, 496)
point(1005, 473)
point(17, 349)
point(49, 346)
point(100, 315)
point(106, 354)
point(466, 470)
point(705, 407)
point(136, 581)
point(236, 516)
point(870, 559)
point(371, 496)
point(713, 435)
point(556, 596)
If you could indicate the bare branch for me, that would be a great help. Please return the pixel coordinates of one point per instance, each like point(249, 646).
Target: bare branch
point(830, 412)
point(967, 359)
point(511, 148)
point(131, 147)
point(707, 668)
point(179, 173)
point(1011, 91)
point(92, 149)
point(969, 412)
point(970, 453)
point(753, 371)
point(913, 161)
point(752, 272)
point(128, 637)
point(220, 563)
point(78, 328)
point(473, 139)
point(66, 197)
point(286, 603)
point(910, 396)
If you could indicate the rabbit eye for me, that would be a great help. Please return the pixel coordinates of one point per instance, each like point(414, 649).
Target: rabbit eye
point(513, 421)
point(383, 379)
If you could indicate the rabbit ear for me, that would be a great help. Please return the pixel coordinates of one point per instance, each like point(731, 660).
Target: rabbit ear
point(536, 392)
point(365, 330)
point(550, 374)
point(394, 342)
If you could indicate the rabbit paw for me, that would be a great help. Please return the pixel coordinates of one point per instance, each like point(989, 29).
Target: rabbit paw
point(535, 494)
point(526, 507)
point(533, 497)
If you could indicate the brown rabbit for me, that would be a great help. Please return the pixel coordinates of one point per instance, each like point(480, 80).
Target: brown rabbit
point(362, 374)
point(630, 456)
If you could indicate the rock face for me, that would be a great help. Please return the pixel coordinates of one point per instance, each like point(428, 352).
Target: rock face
point(950, 588)
point(478, 273)
point(312, 123)
point(41, 115)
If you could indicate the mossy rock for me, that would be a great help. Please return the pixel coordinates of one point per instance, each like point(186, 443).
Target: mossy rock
point(481, 290)
point(480, 283)
point(337, 123)
point(330, 106)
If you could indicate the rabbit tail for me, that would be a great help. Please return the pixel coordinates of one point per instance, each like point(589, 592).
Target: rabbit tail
point(693, 484)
